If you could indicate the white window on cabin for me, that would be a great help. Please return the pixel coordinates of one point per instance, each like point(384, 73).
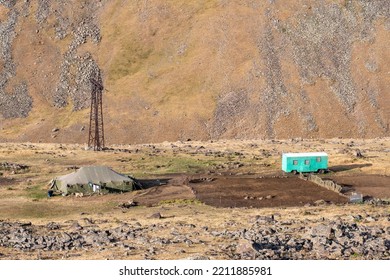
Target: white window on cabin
point(318, 159)
point(295, 162)
point(307, 162)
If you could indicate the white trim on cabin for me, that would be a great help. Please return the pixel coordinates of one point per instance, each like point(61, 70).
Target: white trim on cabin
point(316, 154)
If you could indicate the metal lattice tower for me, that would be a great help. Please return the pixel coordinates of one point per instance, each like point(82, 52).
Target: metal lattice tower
point(96, 128)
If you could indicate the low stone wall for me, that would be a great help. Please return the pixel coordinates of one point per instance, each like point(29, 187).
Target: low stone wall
point(328, 184)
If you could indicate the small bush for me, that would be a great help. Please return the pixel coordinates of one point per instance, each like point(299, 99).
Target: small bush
point(180, 201)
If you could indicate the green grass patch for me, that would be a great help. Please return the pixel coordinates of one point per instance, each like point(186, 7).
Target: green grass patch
point(36, 193)
point(356, 256)
point(171, 165)
point(184, 165)
point(129, 60)
point(180, 201)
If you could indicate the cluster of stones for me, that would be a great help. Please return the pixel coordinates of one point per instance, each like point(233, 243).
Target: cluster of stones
point(52, 237)
point(18, 103)
point(265, 238)
point(319, 40)
point(8, 3)
point(12, 166)
point(340, 239)
point(76, 70)
point(328, 184)
point(328, 33)
point(231, 105)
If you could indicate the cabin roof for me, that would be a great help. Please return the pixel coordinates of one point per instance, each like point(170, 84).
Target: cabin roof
point(315, 154)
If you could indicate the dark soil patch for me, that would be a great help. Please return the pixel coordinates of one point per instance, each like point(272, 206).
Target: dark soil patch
point(263, 192)
point(369, 185)
point(275, 191)
point(165, 193)
point(6, 182)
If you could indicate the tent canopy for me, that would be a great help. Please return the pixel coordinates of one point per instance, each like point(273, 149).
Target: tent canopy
point(91, 179)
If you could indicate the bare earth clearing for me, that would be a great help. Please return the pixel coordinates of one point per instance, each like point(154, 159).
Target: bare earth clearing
point(215, 200)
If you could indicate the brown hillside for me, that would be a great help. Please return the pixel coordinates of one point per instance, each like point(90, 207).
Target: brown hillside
point(177, 70)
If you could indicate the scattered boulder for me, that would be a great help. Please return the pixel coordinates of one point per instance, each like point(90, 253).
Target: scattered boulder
point(246, 248)
point(129, 204)
point(197, 257)
point(358, 154)
point(323, 231)
point(320, 202)
point(156, 216)
point(76, 226)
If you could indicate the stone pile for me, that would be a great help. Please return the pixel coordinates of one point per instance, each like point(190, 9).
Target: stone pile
point(12, 166)
point(327, 184)
point(326, 240)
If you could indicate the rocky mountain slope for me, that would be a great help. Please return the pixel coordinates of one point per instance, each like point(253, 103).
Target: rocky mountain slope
point(177, 70)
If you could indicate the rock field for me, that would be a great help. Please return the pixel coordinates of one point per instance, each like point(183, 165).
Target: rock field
point(263, 237)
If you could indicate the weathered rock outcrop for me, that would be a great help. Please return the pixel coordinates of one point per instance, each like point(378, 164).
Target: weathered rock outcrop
point(221, 69)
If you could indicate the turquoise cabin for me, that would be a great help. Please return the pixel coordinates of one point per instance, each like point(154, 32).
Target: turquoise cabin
point(305, 162)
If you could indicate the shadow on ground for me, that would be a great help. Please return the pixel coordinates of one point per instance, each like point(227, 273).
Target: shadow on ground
point(339, 168)
point(150, 183)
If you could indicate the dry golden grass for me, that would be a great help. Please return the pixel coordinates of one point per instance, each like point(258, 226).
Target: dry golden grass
point(26, 198)
point(166, 64)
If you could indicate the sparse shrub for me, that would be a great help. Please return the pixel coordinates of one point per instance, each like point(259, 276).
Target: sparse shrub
point(180, 201)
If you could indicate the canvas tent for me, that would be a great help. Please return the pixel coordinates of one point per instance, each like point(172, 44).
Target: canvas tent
point(93, 179)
